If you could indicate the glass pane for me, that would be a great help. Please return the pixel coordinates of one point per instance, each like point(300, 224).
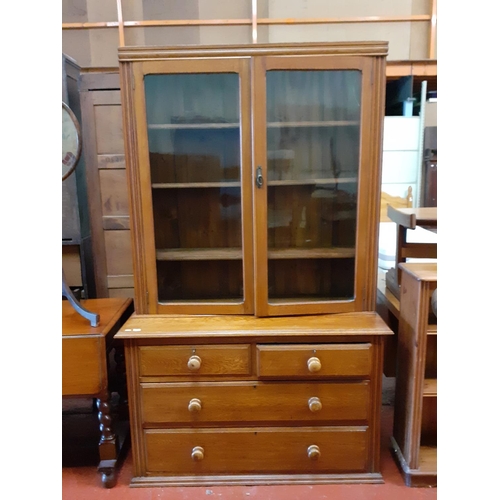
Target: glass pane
point(313, 142)
point(194, 154)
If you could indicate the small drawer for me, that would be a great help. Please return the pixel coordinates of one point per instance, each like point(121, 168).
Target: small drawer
point(315, 360)
point(205, 403)
point(257, 450)
point(194, 360)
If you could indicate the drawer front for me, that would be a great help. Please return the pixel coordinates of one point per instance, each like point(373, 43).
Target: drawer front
point(257, 450)
point(83, 366)
point(194, 360)
point(314, 361)
point(237, 402)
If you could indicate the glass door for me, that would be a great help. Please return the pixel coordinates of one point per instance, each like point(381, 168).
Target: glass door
point(196, 166)
point(308, 180)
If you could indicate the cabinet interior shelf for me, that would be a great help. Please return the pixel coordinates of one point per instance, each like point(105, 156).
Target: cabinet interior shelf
point(430, 387)
point(184, 126)
point(183, 185)
point(305, 182)
point(237, 184)
point(427, 459)
point(237, 254)
point(222, 125)
point(331, 123)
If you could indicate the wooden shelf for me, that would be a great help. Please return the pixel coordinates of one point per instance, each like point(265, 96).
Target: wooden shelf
point(305, 182)
point(185, 126)
point(430, 387)
point(428, 459)
point(432, 330)
point(187, 185)
point(199, 254)
point(311, 253)
point(334, 123)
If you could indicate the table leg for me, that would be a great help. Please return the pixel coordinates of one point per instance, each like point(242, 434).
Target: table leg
point(108, 450)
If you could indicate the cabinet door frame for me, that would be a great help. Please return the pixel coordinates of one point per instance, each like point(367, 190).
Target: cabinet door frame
point(139, 177)
point(369, 175)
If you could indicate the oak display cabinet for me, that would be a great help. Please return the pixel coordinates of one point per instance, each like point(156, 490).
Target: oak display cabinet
point(254, 174)
point(255, 354)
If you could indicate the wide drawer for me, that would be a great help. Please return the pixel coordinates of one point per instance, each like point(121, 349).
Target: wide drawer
point(256, 450)
point(315, 360)
point(194, 360)
point(236, 402)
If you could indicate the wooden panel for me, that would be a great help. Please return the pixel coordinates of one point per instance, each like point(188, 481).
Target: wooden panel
point(121, 292)
point(255, 402)
point(111, 161)
point(71, 264)
point(118, 252)
point(114, 194)
point(257, 450)
point(109, 129)
point(82, 372)
point(215, 360)
point(341, 360)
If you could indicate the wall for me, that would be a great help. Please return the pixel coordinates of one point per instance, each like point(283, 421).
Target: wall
point(98, 47)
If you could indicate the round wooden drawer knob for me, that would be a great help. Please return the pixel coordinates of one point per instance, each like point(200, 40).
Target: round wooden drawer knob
point(194, 363)
point(313, 452)
point(313, 364)
point(194, 405)
point(315, 404)
point(198, 453)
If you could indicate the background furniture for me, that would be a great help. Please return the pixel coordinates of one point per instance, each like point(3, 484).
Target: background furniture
point(425, 217)
point(85, 372)
point(415, 409)
point(245, 400)
point(107, 186)
point(76, 245)
point(245, 177)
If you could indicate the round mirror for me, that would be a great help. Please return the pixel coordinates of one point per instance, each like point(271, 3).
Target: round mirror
point(71, 141)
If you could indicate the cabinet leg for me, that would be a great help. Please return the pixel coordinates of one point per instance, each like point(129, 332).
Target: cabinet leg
point(108, 442)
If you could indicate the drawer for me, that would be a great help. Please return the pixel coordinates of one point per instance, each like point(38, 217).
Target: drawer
point(315, 360)
point(271, 402)
point(194, 360)
point(257, 450)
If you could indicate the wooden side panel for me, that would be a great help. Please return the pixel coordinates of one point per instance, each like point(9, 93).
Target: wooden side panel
point(118, 258)
point(108, 190)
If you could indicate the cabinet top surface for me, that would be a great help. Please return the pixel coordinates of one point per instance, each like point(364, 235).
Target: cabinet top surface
point(375, 48)
point(422, 271)
point(110, 311)
point(413, 217)
point(171, 326)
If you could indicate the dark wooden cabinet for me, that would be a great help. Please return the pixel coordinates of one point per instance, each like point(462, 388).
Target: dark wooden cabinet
point(76, 239)
point(103, 148)
point(254, 174)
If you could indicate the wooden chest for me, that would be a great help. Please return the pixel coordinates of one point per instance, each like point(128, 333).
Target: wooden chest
point(244, 400)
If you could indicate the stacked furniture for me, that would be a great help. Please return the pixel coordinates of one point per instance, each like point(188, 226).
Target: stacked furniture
point(254, 355)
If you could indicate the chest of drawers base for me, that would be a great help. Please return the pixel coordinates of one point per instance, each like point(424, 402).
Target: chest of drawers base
point(240, 400)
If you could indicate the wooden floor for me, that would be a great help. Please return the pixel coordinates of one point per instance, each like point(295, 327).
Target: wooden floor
point(83, 483)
